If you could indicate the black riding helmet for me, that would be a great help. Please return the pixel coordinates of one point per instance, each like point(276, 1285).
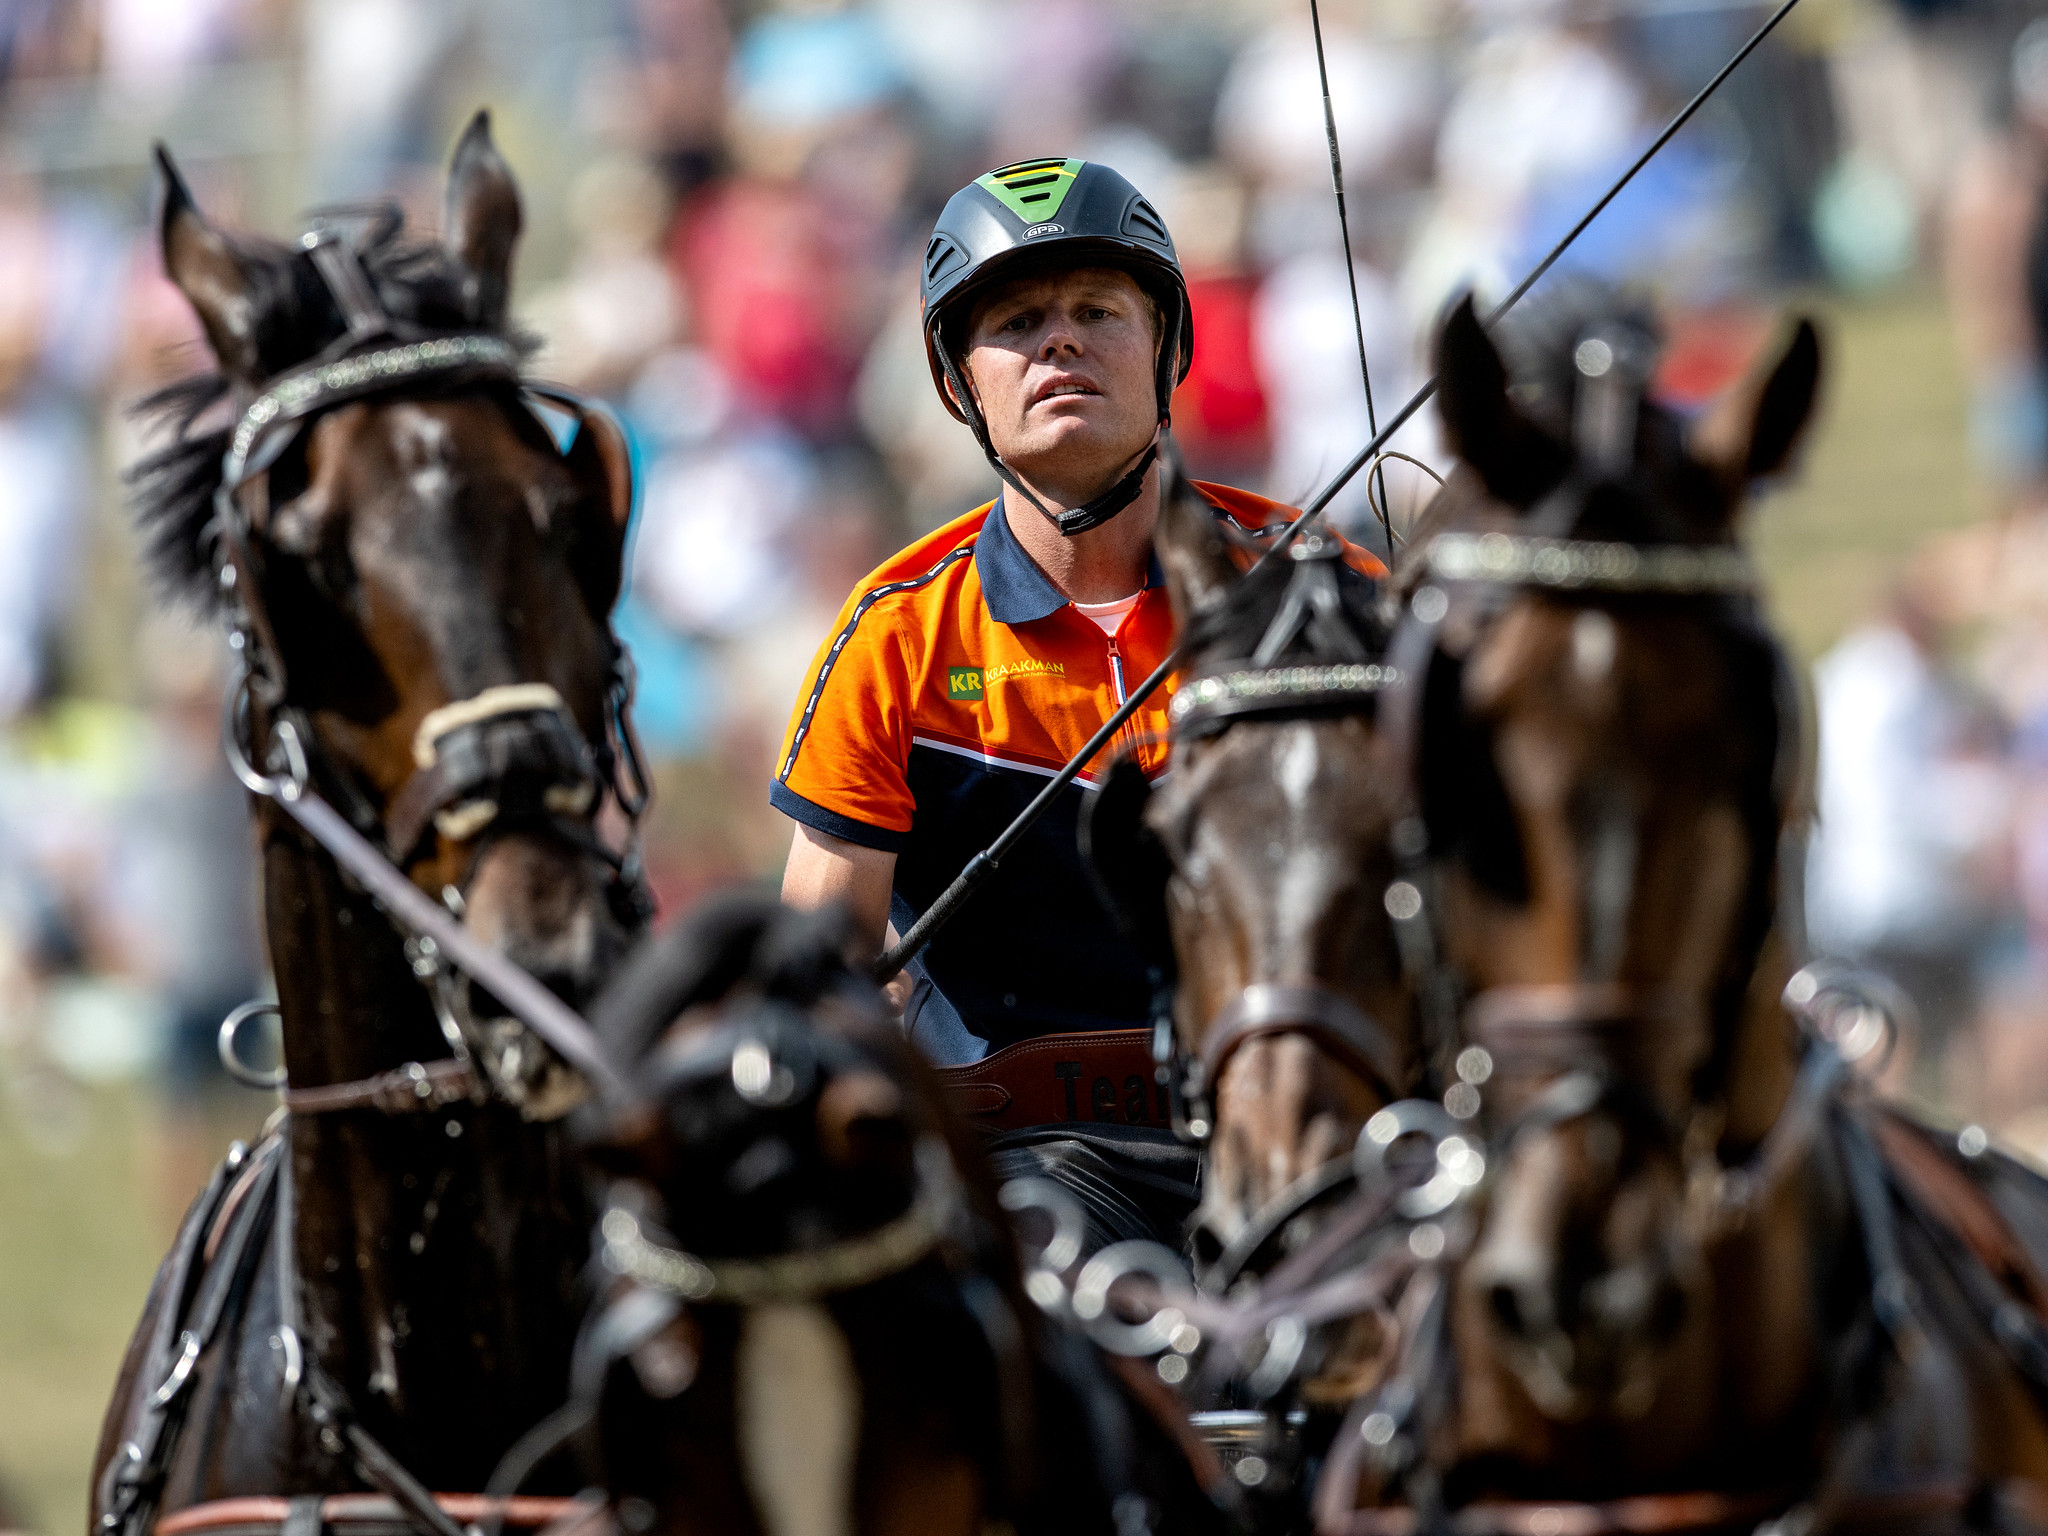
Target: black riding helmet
point(1078, 214)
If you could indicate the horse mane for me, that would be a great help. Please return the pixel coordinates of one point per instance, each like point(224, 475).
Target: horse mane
point(171, 489)
point(1232, 629)
point(743, 939)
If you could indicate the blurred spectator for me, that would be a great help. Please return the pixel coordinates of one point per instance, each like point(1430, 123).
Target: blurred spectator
point(1536, 105)
point(1912, 815)
point(373, 68)
point(616, 307)
point(182, 881)
point(44, 468)
point(1996, 266)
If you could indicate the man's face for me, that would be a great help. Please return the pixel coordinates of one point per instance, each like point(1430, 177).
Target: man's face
point(1063, 367)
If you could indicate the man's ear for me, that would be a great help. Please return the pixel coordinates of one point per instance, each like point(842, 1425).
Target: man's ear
point(1516, 459)
point(1192, 552)
point(1753, 431)
point(481, 222)
point(216, 278)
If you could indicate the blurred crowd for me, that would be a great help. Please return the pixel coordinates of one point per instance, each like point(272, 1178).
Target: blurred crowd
point(726, 202)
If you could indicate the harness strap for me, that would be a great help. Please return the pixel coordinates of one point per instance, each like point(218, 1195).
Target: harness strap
point(1333, 1022)
point(262, 1515)
point(416, 1087)
point(410, 908)
point(1945, 1192)
point(202, 1290)
point(1657, 1514)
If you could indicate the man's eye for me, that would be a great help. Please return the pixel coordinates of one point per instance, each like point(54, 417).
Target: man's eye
point(1016, 323)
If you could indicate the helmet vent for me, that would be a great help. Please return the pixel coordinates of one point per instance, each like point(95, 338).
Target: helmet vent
point(940, 258)
point(1141, 220)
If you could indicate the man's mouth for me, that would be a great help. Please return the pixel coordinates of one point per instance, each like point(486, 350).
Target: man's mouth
point(1054, 391)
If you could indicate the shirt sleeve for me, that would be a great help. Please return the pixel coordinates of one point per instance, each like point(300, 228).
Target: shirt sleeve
point(844, 765)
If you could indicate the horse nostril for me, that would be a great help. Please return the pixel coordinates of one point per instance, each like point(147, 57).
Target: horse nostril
point(1509, 1311)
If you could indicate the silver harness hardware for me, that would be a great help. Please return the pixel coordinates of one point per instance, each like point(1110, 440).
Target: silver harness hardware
point(802, 1275)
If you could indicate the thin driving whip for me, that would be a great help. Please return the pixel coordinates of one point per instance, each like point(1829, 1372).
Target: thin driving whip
point(1372, 423)
point(983, 864)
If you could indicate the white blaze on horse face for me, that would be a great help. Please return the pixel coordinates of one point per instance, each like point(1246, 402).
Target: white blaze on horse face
point(1593, 646)
point(799, 1419)
point(1296, 766)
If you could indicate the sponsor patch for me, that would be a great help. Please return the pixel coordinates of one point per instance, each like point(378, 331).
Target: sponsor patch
point(973, 682)
point(1044, 229)
point(1025, 668)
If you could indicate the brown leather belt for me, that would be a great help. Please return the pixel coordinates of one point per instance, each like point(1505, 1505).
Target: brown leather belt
point(1093, 1077)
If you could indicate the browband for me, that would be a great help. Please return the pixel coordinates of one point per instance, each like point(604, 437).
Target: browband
point(320, 385)
point(1583, 565)
point(1207, 704)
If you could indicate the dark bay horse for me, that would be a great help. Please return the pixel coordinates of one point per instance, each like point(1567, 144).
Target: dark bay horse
point(1260, 876)
point(418, 579)
point(817, 1323)
point(1712, 1283)
point(1256, 873)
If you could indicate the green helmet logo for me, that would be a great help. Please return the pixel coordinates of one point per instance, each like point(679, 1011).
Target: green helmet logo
point(1032, 189)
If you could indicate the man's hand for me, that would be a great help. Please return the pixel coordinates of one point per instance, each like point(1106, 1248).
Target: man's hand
point(823, 868)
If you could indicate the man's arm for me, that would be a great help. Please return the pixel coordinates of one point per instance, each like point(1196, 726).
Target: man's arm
point(823, 868)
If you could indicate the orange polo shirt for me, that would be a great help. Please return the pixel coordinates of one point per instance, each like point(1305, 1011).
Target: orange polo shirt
point(956, 680)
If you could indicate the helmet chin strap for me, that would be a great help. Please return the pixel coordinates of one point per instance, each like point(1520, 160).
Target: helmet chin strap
point(1090, 514)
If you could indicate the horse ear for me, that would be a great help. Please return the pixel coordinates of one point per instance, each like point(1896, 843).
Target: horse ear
point(1192, 552)
point(1515, 458)
point(1754, 430)
point(600, 457)
point(1127, 862)
point(215, 279)
point(481, 221)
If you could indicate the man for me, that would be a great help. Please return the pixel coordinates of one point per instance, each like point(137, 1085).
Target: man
point(967, 669)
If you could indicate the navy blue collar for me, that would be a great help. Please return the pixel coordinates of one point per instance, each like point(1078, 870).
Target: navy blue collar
point(1012, 585)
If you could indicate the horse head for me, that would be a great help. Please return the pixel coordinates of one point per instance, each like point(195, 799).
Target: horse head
point(421, 576)
point(1603, 736)
point(816, 1318)
point(1256, 872)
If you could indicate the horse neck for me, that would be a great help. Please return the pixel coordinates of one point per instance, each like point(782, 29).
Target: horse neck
point(437, 1253)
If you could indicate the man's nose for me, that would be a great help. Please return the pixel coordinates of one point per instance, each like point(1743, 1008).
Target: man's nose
point(1060, 337)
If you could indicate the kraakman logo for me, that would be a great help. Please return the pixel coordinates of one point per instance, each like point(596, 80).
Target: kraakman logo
point(963, 682)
